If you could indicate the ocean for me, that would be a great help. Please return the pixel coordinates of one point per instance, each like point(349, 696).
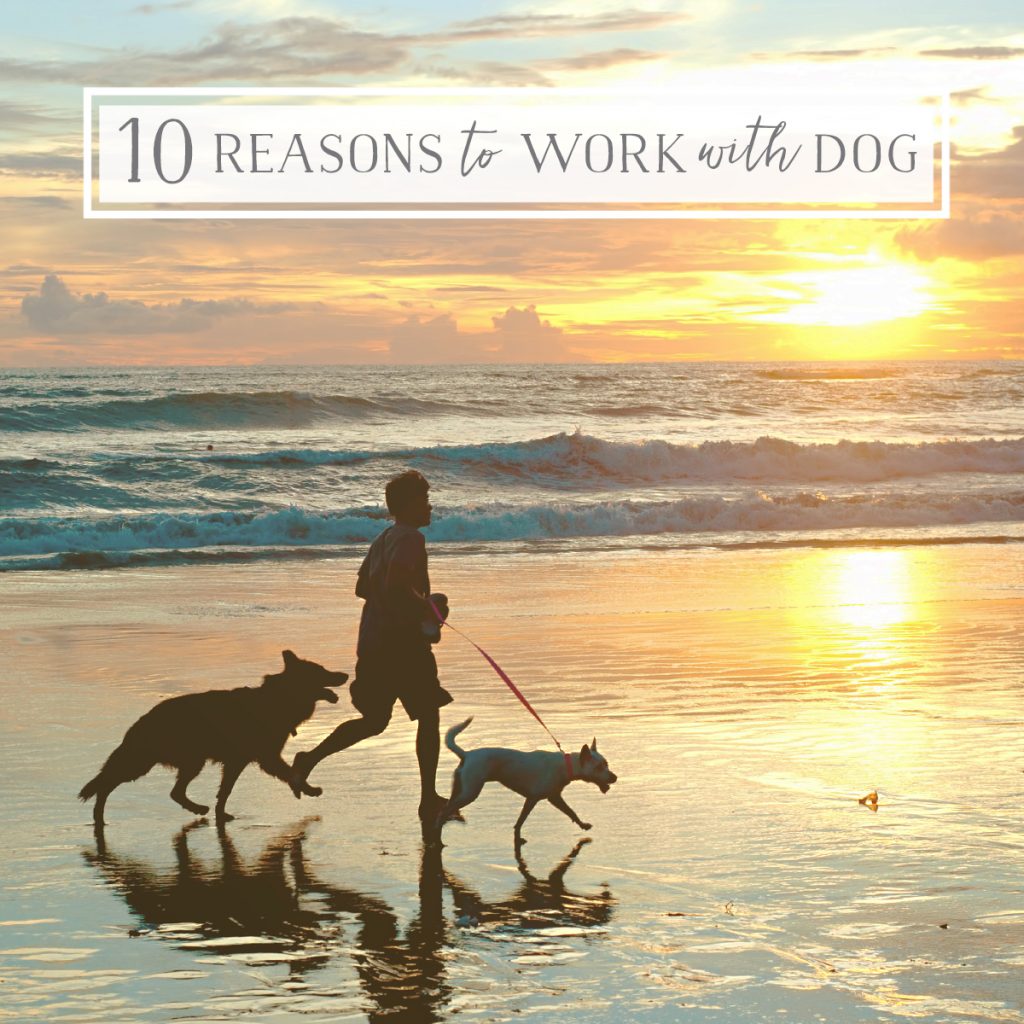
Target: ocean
point(102, 468)
point(766, 590)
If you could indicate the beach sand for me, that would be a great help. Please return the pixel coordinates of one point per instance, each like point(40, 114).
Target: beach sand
point(746, 699)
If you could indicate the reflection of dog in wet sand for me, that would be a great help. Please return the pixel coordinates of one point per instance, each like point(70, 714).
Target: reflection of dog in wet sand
point(536, 775)
point(538, 902)
point(233, 727)
point(221, 897)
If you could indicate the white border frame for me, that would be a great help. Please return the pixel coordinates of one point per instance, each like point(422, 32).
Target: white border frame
point(89, 212)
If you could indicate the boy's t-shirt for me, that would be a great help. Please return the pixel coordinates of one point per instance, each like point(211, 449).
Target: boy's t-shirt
point(386, 621)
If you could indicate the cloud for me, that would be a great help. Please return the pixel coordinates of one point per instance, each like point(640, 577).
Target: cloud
point(599, 60)
point(437, 340)
point(519, 335)
point(53, 202)
point(523, 336)
point(41, 165)
point(998, 175)
point(977, 95)
point(990, 236)
point(529, 25)
point(19, 269)
point(976, 52)
point(301, 47)
point(57, 310)
point(470, 288)
point(874, 52)
point(488, 72)
point(979, 234)
point(838, 54)
point(173, 5)
point(286, 48)
point(298, 47)
point(16, 118)
point(537, 73)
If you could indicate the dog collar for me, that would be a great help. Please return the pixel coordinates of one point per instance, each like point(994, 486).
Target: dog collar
point(568, 765)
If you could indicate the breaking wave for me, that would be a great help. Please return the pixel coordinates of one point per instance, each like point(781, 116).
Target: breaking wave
point(580, 459)
point(293, 528)
point(218, 410)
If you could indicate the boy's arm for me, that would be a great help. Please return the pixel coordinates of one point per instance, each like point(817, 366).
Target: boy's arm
point(363, 581)
point(400, 585)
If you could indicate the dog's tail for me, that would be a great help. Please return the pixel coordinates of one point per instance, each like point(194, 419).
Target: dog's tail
point(449, 738)
point(122, 766)
point(91, 788)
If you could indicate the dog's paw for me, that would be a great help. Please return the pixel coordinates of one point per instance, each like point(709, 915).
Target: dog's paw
point(309, 790)
point(586, 826)
point(223, 816)
point(199, 809)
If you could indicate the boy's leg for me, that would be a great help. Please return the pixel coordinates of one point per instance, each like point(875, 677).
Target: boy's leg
point(428, 746)
point(346, 735)
point(369, 693)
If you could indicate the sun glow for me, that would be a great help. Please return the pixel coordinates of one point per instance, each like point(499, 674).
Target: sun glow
point(847, 298)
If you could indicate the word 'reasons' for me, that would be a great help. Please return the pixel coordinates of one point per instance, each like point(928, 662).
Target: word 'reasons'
point(265, 153)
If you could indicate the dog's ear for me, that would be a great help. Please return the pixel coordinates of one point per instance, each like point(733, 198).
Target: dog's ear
point(585, 754)
point(593, 745)
point(289, 658)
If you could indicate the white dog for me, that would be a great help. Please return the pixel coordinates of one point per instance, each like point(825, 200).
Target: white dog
point(536, 775)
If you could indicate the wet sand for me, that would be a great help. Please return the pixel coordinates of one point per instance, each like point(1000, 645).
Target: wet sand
point(746, 699)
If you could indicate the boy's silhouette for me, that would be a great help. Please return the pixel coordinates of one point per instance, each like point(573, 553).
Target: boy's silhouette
point(393, 657)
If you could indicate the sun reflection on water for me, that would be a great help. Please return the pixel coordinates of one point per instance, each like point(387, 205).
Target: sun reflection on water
point(854, 608)
point(860, 619)
point(875, 589)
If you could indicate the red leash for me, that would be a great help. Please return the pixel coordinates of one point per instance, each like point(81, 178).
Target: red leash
point(503, 676)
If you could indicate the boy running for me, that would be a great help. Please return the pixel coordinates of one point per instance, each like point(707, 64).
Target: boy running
point(393, 656)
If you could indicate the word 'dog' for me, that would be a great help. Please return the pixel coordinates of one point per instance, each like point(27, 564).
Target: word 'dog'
point(866, 153)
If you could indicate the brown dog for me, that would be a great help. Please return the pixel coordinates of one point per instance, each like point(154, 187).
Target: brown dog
point(233, 727)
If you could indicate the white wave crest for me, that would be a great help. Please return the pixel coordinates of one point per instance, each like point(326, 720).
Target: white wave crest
point(581, 459)
point(297, 528)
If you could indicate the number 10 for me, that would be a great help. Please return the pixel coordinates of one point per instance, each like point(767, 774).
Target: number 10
point(158, 162)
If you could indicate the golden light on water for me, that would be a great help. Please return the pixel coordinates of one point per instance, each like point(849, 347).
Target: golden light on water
point(859, 590)
point(874, 589)
point(852, 609)
point(876, 597)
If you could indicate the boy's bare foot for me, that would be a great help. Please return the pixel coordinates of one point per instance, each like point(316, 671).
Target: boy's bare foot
point(431, 812)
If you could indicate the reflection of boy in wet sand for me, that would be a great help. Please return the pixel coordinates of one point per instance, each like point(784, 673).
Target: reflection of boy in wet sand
point(394, 660)
point(405, 978)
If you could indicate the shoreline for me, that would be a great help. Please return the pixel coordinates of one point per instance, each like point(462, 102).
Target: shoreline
point(746, 700)
point(213, 556)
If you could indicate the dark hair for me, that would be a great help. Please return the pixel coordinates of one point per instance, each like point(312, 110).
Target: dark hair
point(403, 489)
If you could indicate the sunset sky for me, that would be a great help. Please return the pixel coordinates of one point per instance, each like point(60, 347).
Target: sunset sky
point(80, 292)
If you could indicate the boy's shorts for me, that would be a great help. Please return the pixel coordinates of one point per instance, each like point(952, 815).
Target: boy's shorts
point(407, 673)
